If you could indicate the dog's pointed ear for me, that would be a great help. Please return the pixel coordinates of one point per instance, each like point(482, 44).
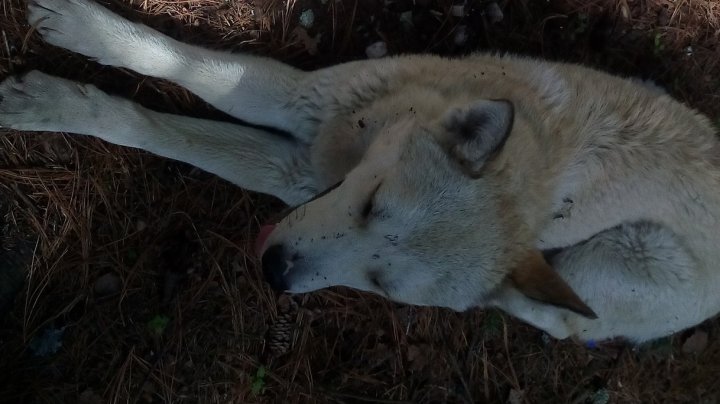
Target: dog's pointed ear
point(536, 279)
point(478, 131)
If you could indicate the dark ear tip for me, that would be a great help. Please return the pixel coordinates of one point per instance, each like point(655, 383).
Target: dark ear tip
point(586, 312)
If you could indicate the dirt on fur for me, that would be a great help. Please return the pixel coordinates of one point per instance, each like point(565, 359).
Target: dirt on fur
point(140, 282)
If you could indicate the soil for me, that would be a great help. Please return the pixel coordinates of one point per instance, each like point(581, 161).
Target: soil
point(140, 282)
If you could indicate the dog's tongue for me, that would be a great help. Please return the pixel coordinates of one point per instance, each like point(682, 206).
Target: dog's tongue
point(262, 237)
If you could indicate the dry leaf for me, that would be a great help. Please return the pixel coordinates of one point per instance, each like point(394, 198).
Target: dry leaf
point(417, 356)
point(696, 343)
point(515, 397)
point(309, 43)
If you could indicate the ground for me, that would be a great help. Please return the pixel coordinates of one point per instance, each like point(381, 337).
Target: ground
point(140, 282)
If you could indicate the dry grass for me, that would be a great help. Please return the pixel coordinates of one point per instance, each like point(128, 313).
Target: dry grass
point(178, 238)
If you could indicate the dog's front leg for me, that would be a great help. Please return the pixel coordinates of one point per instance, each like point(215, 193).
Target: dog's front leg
point(252, 158)
point(258, 90)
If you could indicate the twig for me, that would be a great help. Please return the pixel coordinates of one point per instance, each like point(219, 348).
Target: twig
point(515, 380)
point(7, 48)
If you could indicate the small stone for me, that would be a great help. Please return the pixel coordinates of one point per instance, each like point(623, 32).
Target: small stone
point(90, 397)
point(601, 396)
point(48, 343)
point(494, 13)
point(458, 10)
point(406, 19)
point(107, 284)
point(460, 36)
point(545, 338)
point(376, 50)
point(516, 396)
point(307, 19)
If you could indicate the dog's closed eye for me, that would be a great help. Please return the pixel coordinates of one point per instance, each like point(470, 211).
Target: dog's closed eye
point(374, 278)
point(369, 205)
point(367, 209)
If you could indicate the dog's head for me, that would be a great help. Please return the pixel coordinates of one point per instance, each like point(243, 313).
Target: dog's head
point(425, 218)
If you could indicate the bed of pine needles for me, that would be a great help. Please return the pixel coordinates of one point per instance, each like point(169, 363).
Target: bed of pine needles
point(138, 283)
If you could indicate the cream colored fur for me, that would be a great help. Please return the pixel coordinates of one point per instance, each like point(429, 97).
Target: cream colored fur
point(615, 173)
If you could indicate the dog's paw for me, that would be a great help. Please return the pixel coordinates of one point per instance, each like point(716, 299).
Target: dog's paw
point(38, 102)
point(80, 26)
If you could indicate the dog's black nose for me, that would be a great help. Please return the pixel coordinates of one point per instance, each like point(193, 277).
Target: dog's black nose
point(274, 264)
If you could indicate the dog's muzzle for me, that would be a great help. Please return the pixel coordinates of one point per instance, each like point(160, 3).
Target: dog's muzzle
point(275, 261)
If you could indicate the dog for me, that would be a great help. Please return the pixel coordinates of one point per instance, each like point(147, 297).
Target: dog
point(582, 203)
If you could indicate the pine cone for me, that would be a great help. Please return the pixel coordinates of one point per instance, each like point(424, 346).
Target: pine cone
point(281, 332)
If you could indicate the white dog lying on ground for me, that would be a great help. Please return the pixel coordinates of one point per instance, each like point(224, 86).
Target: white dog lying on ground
point(451, 177)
